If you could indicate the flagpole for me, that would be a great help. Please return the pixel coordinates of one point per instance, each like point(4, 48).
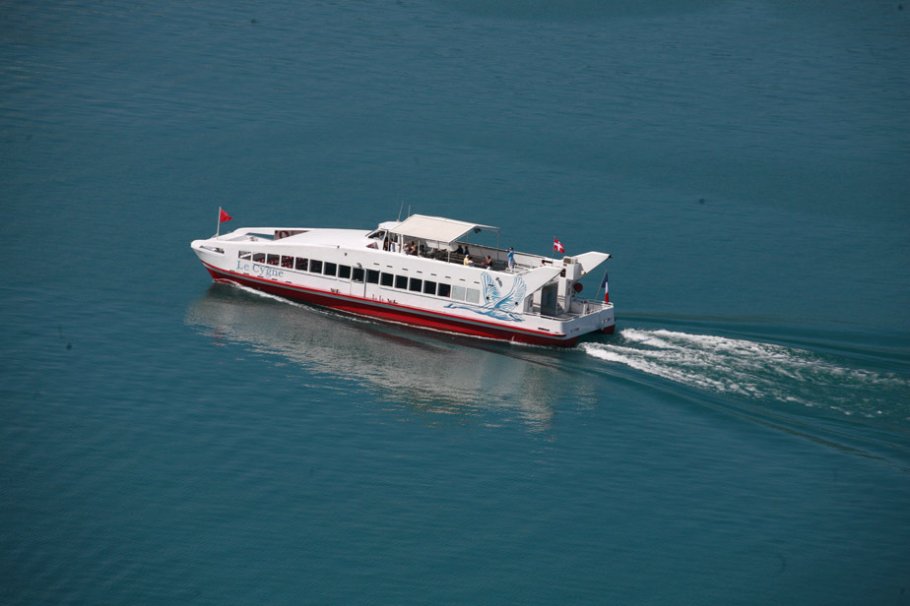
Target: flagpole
point(218, 224)
point(605, 287)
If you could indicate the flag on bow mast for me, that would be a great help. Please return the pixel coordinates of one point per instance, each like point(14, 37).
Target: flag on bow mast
point(223, 217)
point(558, 247)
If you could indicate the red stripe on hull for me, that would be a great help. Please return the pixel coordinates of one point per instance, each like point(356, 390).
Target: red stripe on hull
point(383, 311)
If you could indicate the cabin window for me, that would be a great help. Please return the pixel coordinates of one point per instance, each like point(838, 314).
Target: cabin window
point(387, 279)
point(416, 285)
point(372, 276)
point(259, 257)
point(245, 254)
point(272, 260)
point(344, 272)
point(358, 274)
point(401, 282)
point(429, 287)
point(315, 266)
point(444, 290)
point(287, 261)
point(458, 293)
point(473, 295)
point(300, 264)
point(329, 269)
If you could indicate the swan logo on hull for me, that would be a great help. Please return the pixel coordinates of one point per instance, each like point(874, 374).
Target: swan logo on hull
point(499, 307)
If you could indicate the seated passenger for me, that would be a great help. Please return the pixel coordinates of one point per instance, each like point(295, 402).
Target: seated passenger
point(488, 261)
point(468, 261)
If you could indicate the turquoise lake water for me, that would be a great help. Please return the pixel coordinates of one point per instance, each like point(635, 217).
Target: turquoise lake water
point(744, 437)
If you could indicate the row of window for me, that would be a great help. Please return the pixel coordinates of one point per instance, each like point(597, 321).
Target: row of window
point(370, 276)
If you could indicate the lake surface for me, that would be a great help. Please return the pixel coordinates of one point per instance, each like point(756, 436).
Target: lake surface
point(744, 437)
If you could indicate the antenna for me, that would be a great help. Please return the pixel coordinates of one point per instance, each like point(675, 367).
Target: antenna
point(400, 208)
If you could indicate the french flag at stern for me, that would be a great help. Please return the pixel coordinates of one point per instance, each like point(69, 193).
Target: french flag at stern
point(606, 286)
point(558, 247)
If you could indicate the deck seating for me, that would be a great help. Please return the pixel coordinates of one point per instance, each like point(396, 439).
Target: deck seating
point(441, 254)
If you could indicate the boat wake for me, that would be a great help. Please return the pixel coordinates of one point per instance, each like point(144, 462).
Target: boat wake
point(757, 371)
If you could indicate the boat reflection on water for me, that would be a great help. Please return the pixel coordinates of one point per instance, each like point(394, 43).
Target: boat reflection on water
point(436, 373)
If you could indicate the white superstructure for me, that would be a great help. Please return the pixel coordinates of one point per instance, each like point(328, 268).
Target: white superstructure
point(419, 272)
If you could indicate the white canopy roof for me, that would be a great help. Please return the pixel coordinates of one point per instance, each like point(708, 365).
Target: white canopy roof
point(438, 229)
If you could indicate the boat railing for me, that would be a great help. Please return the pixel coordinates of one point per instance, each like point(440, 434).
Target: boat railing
point(585, 307)
point(478, 253)
point(577, 308)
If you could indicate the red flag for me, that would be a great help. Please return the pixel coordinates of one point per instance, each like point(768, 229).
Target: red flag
point(558, 247)
point(223, 217)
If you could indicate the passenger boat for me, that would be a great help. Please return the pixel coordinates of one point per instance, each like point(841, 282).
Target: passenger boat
point(420, 272)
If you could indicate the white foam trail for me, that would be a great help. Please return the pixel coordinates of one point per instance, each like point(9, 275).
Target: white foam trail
point(751, 369)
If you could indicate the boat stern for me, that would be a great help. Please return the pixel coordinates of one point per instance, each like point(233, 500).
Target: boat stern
point(588, 317)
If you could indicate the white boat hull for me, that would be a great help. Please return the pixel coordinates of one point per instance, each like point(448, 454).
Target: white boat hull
point(356, 278)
